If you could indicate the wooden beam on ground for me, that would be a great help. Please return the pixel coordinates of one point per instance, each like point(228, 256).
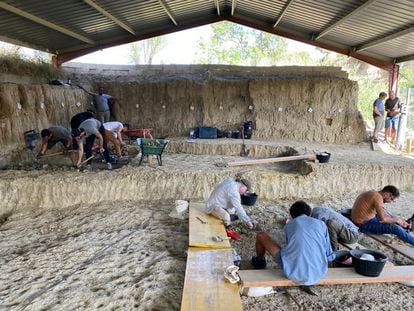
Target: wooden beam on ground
point(205, 288)
point(396, 245)
point(335, 276)
point(272, 160)
point(200, 234)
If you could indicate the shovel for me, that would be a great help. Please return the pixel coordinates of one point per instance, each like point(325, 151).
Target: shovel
point(244, 151)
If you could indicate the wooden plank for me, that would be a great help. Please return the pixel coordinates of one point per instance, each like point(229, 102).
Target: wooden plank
point(201, 235)
point(396, 245)
point(205, 287)
point(272, 160)
point(275, 277)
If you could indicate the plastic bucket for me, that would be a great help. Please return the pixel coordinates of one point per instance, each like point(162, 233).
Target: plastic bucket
point(323, 157)
point(367, 267)
point(248, 199)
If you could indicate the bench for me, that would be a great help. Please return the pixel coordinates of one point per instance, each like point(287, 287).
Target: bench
point(335, 276)
point(201, 234)
point(205, 288)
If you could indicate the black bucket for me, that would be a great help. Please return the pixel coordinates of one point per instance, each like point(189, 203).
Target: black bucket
point(323, 157)
point(248, 129)
point(367, 267)
point(249, 198)
point(236, 134)
point(341, 256)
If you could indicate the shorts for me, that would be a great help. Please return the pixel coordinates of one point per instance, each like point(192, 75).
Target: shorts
point(392, 122)
point(52, 143)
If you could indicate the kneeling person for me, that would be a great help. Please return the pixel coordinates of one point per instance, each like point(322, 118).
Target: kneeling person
point(53, 135)
point(340, 228)
point(305, 257)
point(225, 201)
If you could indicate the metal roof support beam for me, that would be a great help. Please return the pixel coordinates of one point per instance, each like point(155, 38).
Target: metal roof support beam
point(283, 13)
point(65, 56)
point(383, 64)
point(218, 7)
point(404, 58)
point(110, 16)
point(164, 6)
point(43, 22)
point(233, 6)
point(385, 39)
point(345, 18)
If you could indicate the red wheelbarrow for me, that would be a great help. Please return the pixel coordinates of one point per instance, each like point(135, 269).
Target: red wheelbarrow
point(139, 133)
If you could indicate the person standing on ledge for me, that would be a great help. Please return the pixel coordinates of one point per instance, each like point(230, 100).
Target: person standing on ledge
point(101, 104)
point(225, 201)
point(378, 115)
point(392, 107)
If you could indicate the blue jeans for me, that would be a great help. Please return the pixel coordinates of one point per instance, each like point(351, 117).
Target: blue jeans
point(374, 226)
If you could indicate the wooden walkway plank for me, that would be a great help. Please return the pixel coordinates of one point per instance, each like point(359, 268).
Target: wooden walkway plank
point(205, 288)
point(201, 235)
point(397, 245)
point(335, 276)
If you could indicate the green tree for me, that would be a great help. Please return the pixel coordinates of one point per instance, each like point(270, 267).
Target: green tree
point(143, 52)
point(238, 45)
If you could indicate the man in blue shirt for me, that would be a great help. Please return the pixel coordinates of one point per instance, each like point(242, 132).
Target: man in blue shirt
point(378, 115)
point(305, 257)
point(101, 104)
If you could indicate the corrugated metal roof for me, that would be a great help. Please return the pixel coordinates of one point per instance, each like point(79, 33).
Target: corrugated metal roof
point(377, 31)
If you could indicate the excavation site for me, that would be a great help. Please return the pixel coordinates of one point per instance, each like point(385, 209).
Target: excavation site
point(90, 238)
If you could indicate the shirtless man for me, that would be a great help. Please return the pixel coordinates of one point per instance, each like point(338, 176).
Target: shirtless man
point(369, 214)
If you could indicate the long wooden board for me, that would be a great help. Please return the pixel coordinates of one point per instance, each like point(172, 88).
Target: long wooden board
point(272, 160)
point(398, 246)
point(275, 277)
point(205, 288)
point(201, 235)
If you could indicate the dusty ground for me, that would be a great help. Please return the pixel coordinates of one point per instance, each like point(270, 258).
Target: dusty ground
point(129, 254)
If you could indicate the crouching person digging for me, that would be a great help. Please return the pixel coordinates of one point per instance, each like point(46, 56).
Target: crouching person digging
point(225, 202)
point(89, 130)
point(305, 257)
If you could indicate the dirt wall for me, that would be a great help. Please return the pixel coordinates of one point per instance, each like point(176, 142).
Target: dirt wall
point(281, 107)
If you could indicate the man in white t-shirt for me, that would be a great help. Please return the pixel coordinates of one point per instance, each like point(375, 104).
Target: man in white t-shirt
point(116, 128)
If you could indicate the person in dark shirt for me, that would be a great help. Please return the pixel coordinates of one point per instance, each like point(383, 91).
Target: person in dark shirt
point(77, 119)
point(392, 107)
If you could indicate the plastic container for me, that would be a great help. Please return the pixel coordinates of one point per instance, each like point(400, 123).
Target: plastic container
point(207, 132)
point(236, 134)
point(341, 256)
point(366, 267)
point(323, 157)
point(248, 199)
point(248, 129)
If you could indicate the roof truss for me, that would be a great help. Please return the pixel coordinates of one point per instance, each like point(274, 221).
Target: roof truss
point(345, 18)
point(385, 39)
point(110, 16)
point(43, 22)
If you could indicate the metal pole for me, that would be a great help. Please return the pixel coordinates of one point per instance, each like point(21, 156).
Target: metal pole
point(402, 124)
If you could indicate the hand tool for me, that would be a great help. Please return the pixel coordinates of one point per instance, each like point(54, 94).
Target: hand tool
point(202, 221)
point(218, 238)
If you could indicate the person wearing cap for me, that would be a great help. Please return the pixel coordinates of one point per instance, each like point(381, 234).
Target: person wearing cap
point(89, 130)
point(225, 201)
point(101, 104)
